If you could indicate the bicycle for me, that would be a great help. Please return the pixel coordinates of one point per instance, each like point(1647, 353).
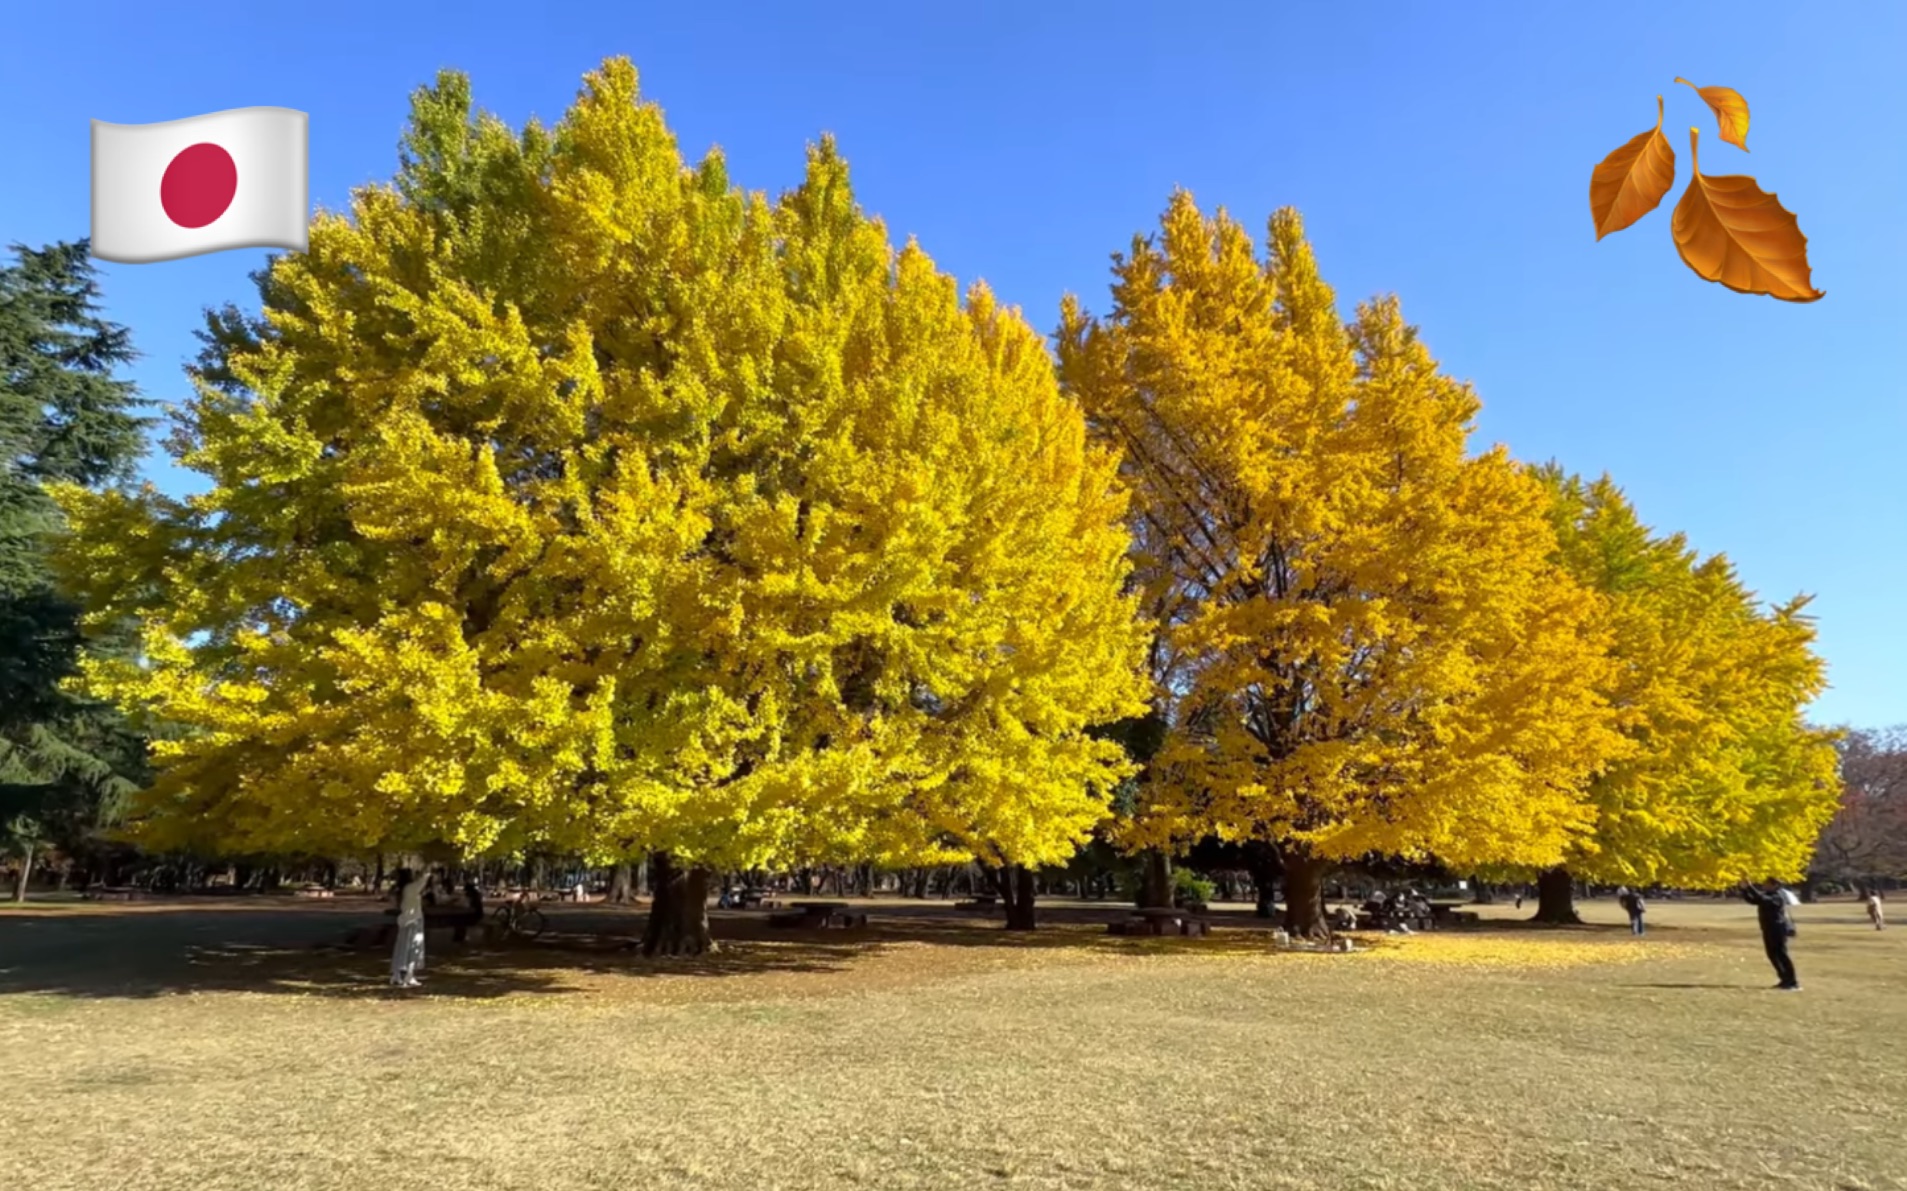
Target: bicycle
point(519, 916)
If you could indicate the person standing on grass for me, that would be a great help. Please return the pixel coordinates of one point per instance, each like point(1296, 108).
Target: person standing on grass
point(1634, 906)
point(1875, 913)
point(1771, 908)
point(407, 955)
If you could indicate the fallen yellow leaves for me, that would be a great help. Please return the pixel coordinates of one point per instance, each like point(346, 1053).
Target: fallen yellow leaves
point(1726, 228)
point(1500, 951)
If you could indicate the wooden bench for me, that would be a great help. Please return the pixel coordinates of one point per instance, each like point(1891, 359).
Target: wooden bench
point(818, 916)
point(458, 921)
point(1160, 921)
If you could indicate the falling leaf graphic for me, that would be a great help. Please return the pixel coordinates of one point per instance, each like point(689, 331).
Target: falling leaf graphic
point(1731, 112)
point(1631, 181)
point(1729, 231)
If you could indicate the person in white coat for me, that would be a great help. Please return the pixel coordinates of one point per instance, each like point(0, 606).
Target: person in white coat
point(407, 955)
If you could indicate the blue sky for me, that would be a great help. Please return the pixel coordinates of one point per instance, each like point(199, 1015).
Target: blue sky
point(1438, 151)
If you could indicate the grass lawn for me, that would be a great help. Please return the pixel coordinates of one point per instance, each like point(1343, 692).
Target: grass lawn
point(213, 1048)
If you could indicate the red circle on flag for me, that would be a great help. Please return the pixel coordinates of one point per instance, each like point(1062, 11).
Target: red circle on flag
point(198, 185)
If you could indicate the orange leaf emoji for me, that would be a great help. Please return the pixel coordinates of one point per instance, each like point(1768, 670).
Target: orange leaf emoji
point(1731, 112)
point(1631, 181)
point(1730, 232)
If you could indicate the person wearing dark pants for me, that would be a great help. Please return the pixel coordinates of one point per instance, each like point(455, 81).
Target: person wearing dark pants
point(1632, 905)
point(1771, 908)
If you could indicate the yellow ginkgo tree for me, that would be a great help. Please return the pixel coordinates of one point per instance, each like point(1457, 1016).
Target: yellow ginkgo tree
point(1377, 652)
point(1723, 780)
point(567, 496)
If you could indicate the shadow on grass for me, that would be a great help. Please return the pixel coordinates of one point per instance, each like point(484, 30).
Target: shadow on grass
point(300, 951)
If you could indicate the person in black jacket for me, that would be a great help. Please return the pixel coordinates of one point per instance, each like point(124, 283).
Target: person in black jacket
point(1771, 907)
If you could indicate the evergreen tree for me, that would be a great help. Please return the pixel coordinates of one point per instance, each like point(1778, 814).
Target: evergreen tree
point(64, 418)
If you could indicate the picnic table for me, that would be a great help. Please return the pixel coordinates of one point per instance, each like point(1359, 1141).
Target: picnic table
point(1452, 914)
point(817, 916)
point(1159, 920)
point(756, 899)
point(457, 919)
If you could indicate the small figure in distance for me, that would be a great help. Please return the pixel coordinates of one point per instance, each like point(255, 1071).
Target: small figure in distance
point(1771, 909)
point(407, 955)
point(1876, 913)
point(1632, 904)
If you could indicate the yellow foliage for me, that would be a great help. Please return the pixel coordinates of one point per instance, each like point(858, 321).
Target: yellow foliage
point(1723, 779)
point(568, 496)
point(1368, 644)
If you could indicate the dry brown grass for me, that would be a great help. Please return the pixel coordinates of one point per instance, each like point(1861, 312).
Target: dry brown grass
point(211, 1050)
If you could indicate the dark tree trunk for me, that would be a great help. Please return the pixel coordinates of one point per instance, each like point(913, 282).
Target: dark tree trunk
point(622, 885)
point(1155, 880)
point(1807, 892)
point(26, 872)
point(1485, 895)
point(1303, 875)
point(1261, 861)
point(1018, 880)
point(377, 879)
point(1556, 899)
point(678, 917)
point(1001, 882)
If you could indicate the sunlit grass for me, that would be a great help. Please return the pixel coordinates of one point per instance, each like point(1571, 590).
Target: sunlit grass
point(951, 1055)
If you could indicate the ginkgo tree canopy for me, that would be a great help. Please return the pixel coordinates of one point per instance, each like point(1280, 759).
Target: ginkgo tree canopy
point(1377, 650)
point(564, 495)
point(1723, 780)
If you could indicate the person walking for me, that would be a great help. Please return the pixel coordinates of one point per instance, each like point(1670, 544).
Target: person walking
point(1634, 906)
point(1771, 908)
point(1876, 914)
point(407, 954)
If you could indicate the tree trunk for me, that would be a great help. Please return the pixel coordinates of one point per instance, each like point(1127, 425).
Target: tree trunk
point(1017, 880)
point(1807, 892)
point(26, 871)
point(1000, 880)
point(678, 917)
point(622, 885)
point(1261, 861)
point(1304, 895)
point(1485, 895)
point(1155, 880)
point(377, 879)
point(1556, 899)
